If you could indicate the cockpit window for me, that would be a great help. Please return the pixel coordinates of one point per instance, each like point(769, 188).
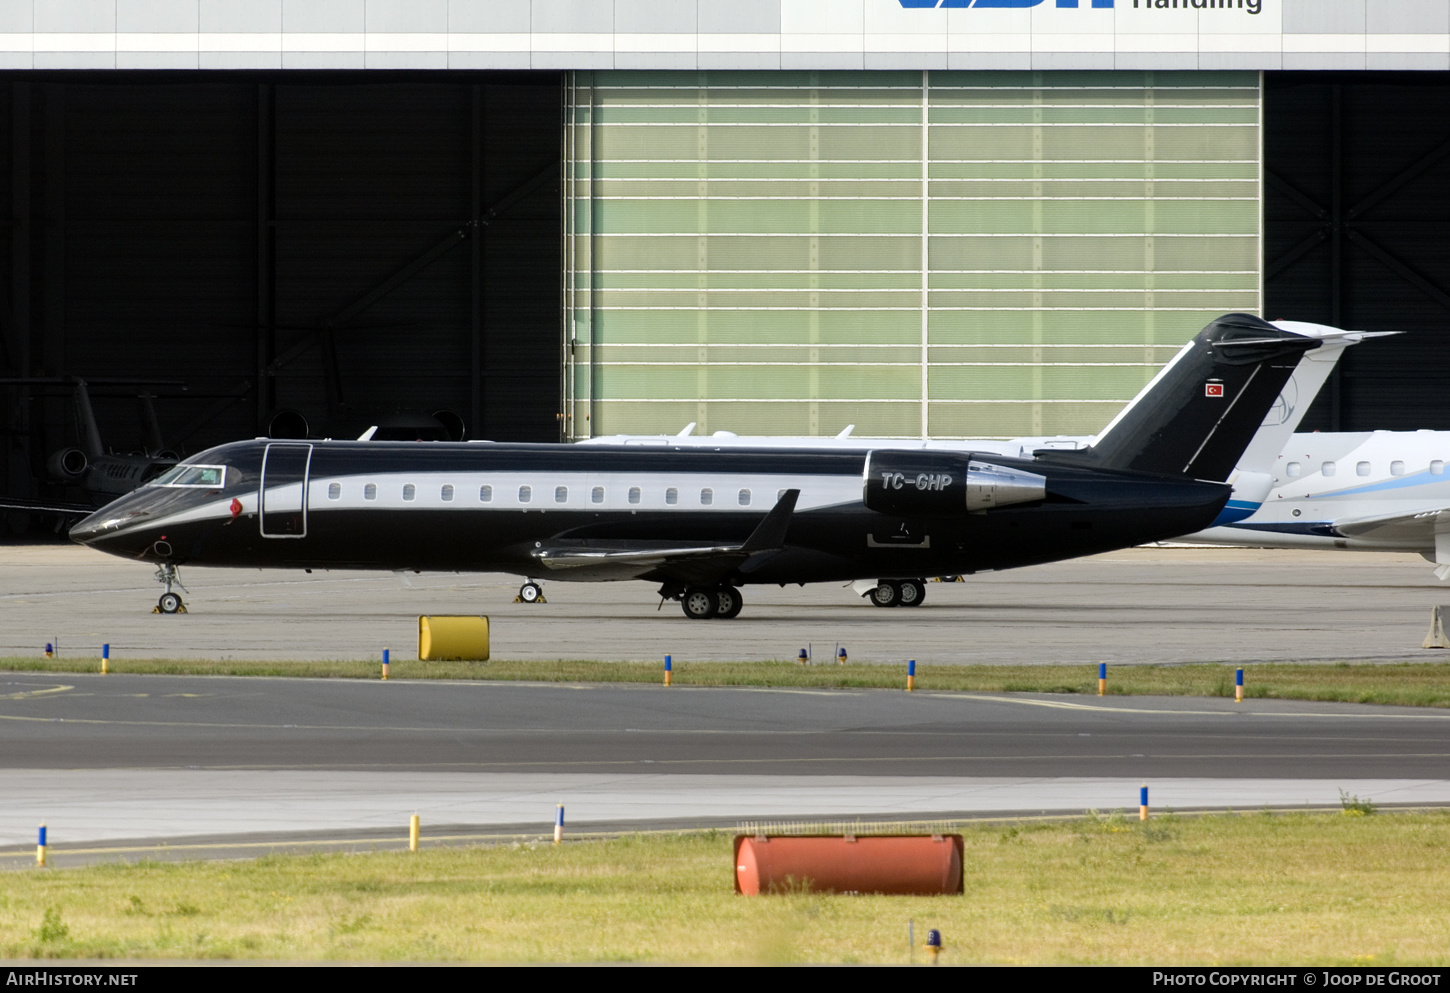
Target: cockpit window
point(208, 476)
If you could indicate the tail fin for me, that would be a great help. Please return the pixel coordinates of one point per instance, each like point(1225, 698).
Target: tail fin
point(1202, 409)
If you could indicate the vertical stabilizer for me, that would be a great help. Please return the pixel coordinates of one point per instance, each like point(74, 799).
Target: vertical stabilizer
point(1199, 414)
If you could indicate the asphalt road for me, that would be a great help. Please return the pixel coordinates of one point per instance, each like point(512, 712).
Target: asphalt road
point(179, 722)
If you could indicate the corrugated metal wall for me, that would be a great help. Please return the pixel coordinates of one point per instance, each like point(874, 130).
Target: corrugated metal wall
point(954, 254)
point(202, 228)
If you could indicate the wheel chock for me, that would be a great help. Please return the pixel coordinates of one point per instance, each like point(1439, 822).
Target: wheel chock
point(541, 599)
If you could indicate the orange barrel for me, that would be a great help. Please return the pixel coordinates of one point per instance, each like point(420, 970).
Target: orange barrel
point(894, 864)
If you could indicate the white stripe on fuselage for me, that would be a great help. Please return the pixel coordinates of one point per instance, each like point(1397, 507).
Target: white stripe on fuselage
point(763, 489)
point(1314, 497)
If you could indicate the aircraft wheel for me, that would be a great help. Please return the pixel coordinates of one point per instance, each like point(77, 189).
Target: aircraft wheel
point(913, 592)
point(700, 605)
point(531, 593)
point(886, 594)
point(731, 602)
point(169, 603)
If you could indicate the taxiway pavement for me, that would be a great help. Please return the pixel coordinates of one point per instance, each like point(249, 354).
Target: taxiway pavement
point(1137, 606)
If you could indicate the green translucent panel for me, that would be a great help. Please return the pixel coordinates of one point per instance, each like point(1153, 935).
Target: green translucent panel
point(775, 169)
point(1094, 216)
point(798, 189)
point(1158, 282)
point(946, 96)
point(799, 280)
point(1134, 188)
point(1095, 300)
point(729, 382)
point(692, 114)
point(610, 81)
point(974, 327)
point(1099, 354)
point(723, 252)
point(1013, 420)
point(735, 284)
point(884, 327)
point(780, 417)
point(757, 216)
point(715, 300)
point(1012, 383)
point(1127, 114)
point(773, 354)
point(1105, 80)
point(1136, 167)
point(758, 142)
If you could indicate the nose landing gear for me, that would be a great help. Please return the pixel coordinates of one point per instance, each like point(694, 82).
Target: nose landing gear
point(530, 592)
point(170, 603)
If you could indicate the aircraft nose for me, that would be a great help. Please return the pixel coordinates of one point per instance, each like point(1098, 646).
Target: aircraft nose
point(103, 524)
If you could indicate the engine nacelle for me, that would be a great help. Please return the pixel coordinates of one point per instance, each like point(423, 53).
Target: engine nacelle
point(940, 484)
point(68, 464)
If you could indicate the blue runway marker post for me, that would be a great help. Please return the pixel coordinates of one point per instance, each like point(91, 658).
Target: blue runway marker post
point(1239, 686)
point(559, 824)
point(911, 675)
point(1143, 803)
point(667, 670)
point(49, 650)
point(40, 848)
point(385, 663)
point(803, 658)
point(841, 655)
point(933, 944)
point(1102, 679)
point(105, 659)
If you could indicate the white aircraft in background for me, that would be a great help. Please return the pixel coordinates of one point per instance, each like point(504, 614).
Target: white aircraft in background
point(1260, 470)
point(1367, 491)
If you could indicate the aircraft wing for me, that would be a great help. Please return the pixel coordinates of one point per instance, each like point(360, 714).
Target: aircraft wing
point(1418, 528)
point(699, 564)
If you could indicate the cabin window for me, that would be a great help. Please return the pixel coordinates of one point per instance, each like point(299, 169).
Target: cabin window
point(485, 494)
point(1437, 468)
point(1327, 468)
point(634, 494)
point(447, 492)
point(1362, 468)
point(672, 495)
point(526, 493)
point(409, 491)
point(370, 491)
point(1397, 468)
point(1293, 469)
point(744, 498)
point(707, 497)
point(561, 494)
point(596, 495)
point(334, 491)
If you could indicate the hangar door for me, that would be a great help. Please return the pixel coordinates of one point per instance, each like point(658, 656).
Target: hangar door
point(954, 254)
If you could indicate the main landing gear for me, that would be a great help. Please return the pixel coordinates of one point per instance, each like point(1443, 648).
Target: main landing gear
point(170, 603)
point(530, 592)
point(897, 593)
point(703, 603)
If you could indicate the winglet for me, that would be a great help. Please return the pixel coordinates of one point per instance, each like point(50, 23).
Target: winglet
point(770, 533)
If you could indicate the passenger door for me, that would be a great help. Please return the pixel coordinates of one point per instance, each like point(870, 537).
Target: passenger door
point(283, 491)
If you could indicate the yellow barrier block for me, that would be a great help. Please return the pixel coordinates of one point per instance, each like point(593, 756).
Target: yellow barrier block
point(453, 639)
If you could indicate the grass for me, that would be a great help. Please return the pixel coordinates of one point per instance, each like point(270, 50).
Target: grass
point(1302, 888)
point(1422, 684)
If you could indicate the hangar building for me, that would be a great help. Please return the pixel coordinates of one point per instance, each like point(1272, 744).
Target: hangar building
point(564, 218)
